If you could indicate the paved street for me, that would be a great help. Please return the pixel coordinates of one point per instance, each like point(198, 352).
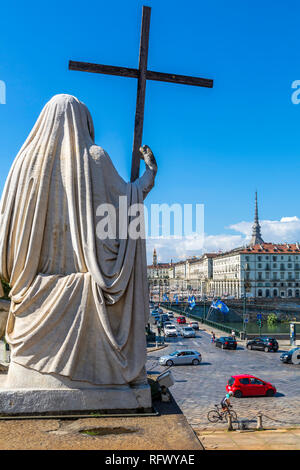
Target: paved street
point(198, 388)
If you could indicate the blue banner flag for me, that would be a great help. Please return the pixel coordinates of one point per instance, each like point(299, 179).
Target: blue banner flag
point(166, 298)
point(219, 305)
point(192, 302)
point(175, 297)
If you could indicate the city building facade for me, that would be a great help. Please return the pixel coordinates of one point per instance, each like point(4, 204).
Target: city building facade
point(263, 270)
point(257, 270)
point(158, 273)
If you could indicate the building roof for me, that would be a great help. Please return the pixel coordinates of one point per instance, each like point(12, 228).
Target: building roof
point(264, 248)
point(194, 259)
point(259, 248)
point(201, 258)
point(234, 251)
point(159, 266)
point(179, 262)
point(273, 248)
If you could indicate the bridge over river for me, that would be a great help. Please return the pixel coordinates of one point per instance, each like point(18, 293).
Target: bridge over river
point(233, 320)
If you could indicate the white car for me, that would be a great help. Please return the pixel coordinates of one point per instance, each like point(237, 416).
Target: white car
point(182, 356)
point(187, 332)
point(170, 330)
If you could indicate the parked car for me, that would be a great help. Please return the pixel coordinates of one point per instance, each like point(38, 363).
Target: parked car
point(187, 332)
point(287, 356)
point(164, 317)
point(247, 386)
point(194, 325)
point(170, 330)
point(182, 356)
point(168, 323)
point(181, 319)
point(155, 316)
point(263, 343)
point(170, 314)
point(155, 312)
point(226, 342)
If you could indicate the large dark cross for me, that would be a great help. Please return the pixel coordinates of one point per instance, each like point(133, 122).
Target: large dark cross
point(142, 74)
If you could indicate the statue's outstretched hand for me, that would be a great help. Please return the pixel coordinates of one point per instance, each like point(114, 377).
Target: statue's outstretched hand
point(148, 158)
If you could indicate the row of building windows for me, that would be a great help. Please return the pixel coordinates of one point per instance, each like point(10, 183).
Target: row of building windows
point(276, 293)
point(282, 266)
point(290, 275)
point(273, 258)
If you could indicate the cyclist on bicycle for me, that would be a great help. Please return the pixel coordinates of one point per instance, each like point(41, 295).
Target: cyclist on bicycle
point(225, 403)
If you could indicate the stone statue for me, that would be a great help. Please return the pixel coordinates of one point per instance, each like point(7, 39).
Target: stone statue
point(79, 303)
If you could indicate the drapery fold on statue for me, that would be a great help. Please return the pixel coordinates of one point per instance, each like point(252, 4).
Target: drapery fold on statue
point(79, 304)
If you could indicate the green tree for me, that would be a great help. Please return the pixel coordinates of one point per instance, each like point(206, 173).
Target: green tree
point(272, 319)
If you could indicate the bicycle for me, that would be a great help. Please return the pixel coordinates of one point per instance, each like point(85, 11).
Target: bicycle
point(218, 415)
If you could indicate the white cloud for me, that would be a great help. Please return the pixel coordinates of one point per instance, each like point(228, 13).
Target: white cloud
point(192, 245)
point(287, 229)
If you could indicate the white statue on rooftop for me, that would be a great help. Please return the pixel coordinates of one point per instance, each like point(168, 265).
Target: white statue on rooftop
point(79, 304)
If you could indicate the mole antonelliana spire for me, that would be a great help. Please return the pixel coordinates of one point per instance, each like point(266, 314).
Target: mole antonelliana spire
point(154, 257)
point(256, 235)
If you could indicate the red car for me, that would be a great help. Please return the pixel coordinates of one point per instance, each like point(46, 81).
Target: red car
point(181, 319)
point(249, 386)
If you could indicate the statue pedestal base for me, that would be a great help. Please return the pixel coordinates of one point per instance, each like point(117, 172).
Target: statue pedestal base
point(52, 394)
point(66, 401)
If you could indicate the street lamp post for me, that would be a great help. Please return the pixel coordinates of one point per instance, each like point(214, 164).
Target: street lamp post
point(244, 303)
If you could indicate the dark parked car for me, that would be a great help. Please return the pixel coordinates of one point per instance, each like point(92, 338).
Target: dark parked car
point(287, 356)
point(263, 344)
point(163, 318)
point(226, 342)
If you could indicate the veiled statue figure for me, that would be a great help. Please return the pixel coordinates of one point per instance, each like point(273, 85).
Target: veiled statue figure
point(79, 303)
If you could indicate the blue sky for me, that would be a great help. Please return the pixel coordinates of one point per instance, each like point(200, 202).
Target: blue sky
point(213, 146)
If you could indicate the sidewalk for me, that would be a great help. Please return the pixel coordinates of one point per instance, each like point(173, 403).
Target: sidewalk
point(104, 433)
point(129, 432)
point(278, 439)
